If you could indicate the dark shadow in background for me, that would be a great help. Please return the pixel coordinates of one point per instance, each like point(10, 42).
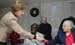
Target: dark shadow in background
point(71, 18)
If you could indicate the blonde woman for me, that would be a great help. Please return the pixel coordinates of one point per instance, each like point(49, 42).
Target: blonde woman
point(8, 23)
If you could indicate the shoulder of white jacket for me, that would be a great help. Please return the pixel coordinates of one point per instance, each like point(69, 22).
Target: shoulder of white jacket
point(9, 15)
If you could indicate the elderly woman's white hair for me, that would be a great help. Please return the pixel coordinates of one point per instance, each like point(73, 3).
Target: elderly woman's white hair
point(69, 21)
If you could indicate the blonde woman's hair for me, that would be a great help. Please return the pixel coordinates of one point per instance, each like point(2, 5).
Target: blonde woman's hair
point(17, 5)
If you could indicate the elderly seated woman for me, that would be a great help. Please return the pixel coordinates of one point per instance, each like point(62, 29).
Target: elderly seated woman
point(65, 36)
point(34, 28)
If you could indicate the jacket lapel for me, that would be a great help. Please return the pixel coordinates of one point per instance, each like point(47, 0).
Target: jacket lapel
point(73, 33)
point(62, 37)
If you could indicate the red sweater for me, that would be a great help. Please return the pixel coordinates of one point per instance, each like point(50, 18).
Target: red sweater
point(69, 39)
